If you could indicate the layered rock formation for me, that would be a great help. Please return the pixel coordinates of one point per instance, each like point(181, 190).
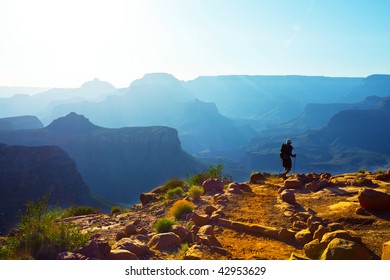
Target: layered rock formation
point(117, 164)
point(29, 173)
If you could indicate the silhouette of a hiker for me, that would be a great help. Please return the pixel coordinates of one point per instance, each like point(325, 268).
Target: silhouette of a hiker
point(285, 155)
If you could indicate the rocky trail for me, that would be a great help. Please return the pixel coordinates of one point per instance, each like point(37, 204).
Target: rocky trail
point(306, 216)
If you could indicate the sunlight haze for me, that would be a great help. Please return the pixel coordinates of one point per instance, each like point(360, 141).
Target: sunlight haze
point(52, 43)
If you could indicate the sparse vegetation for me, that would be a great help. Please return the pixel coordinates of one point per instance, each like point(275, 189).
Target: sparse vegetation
point(361, 171)
point(79, 211)
point(41, 235)
point(115, 210)
point(176, 192)
point(211, 172)
point(195, 192)
point(164, 225)
point(181, 207)
point(172, 184)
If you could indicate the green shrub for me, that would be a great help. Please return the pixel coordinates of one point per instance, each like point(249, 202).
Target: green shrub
point(211, 172)
point(42, 236)
point(195, 192)
point(361, 171)
point(115, 210)
point(79, 211)
point(176, 192)
point(172, 184)
point(181, 207)
point(164, 225)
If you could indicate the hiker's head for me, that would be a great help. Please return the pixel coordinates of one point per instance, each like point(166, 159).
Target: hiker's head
point(288, 141)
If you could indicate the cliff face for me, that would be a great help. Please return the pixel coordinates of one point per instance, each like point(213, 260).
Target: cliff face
point(117, 164)
point(29, 173)
point(22, 122)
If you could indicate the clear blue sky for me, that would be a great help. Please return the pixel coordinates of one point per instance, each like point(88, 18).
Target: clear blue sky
point(65, 43)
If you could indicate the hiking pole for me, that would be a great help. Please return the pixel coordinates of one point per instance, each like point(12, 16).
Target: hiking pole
point(294, 163)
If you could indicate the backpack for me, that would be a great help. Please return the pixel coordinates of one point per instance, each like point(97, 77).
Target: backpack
point(284, 151)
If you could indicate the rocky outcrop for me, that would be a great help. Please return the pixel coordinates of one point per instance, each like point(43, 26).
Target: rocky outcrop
point(20, 122)
point(373, 200)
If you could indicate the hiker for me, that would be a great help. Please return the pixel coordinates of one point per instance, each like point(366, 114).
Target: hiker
point(285, 155)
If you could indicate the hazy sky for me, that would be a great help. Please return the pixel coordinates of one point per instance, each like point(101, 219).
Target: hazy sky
point(65, 43)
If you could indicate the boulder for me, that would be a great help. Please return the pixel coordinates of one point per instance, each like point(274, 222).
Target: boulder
point(329, 236)
point(313, 186)
point(210, 209)
point(257, 178)
point(119, 235)
point(286, 235)
point(292, 183)
point(130, 229)
point(245, 188)
point(386, 250)
point(147, 198)
point(341, 249)
point(288, 196)
point(335, 226)
point(314, 249)
point(207, 237)
point(200, 220)
point(120, 254)
point(95, 250)
point(133, 246)
point(304, 236)
point(373, 200)
point(319, 233)
point(234, 188)
point(184, 234)
point(165, 241)
point(213, 185)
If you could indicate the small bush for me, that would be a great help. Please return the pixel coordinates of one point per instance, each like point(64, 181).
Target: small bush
point(176, 192)
point(115, 210)
point(195, 192)
point(41, 235)
point(164, 225)
point(361, 171)
point(211, 172)
point(181, 207)
point(79, 211)
point(172, 184)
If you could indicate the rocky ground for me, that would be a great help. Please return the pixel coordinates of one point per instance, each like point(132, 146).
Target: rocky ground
point(306, 216)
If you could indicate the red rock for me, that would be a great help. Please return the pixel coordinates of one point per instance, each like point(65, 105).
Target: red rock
point(165, 241)
point(200, 220)
point(373, 200)
point(213, 185)
point(120, 254)
point(292, 183)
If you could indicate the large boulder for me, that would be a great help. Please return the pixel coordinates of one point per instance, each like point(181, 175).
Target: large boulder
point(120, 254)
point(147, 198)
point(373, 200)
point(341, 249)
point(131, 245)
point(213, 185)
point(257, 178)
point(288, 196)
point(165, 241)
point(304, 236)
point(329, 236)
point(292, 183)
point(200, 220)
point(95, 250)
point(184, 234)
